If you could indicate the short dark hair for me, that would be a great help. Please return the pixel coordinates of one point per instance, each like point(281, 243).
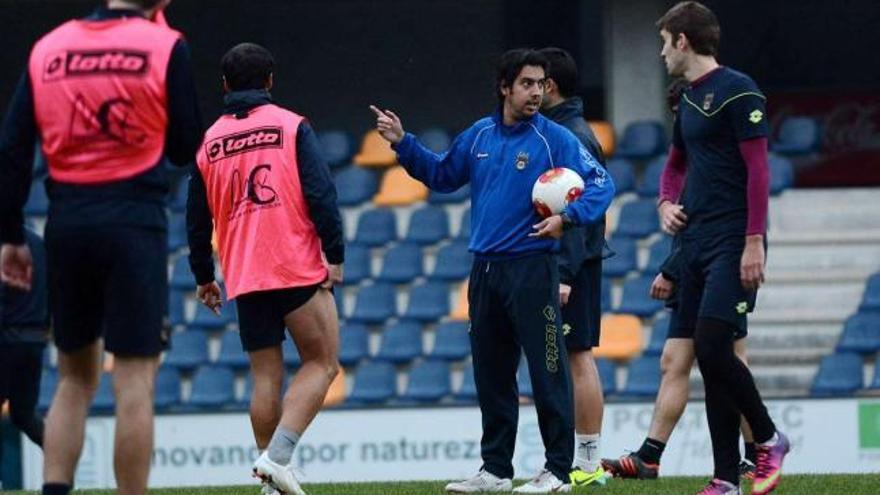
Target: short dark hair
point(698, 24)
point(146, 4)
point(247, 66)
point(512, 63)
point(562, 69)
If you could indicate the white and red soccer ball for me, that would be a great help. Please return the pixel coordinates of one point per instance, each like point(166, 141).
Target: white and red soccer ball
point(555, 189)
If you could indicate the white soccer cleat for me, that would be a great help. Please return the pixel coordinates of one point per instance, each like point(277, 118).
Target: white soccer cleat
point(482, 482)
point(276, 476)
point(544, 482)
point(265, 489)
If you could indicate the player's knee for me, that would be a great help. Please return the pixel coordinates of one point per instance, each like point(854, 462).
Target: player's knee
point(673, 365)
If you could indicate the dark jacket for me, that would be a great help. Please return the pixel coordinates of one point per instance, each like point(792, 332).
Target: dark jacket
point(24, 315)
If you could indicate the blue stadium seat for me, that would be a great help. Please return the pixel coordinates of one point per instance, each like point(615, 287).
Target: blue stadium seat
point(623, 174)
point(643, 379)
point(638, 219)
point(357, 263)
point(871, 297)
point(401, 264)
point(659, 330)
point(38, 202)
point(875, 384)
point(861, 334)
point(375, 304)
point(176, 307)
point(339, 299)
point(649, 187)
point(354, 185)
point(523, 379)
point(428, 225)
point(176, 232)
point(177, 199)
point(213, 387)
point(467, 392)
point(428, 302)
point(781, 173)
point(460, 195)
point(838, 375)
point(464, 232)
point(231, 352)
point(337, 147)
point(428, 382)
point(207, 321)
point(167, 388)
point(451, 341)
point(453, 262)
point(376, 227)
point(607, 376)
point(623, 261)
point(606, 295)
point(181, 276)
point(374, 383)
point(401, 342)
point(189, 350)
point(104, 401)
point(657, 255)
point(435, 139)
point(797, 136)
point(637, 299)
point(353, 343)
point(47, 360)
point(48, 384)
point(641, 140)
point(292, 358)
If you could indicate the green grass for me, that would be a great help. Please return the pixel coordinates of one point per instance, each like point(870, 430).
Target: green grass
point(845, 484)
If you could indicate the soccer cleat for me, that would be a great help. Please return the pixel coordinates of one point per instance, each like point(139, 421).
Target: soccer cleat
point(746, 469)
point(544, 482)
point(768, 469)
point(265, 489)
point(580, 478)
point(631, 466)
point(276, 476)
point(482, 482)
point(720, 487)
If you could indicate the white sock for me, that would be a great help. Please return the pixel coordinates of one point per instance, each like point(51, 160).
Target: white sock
point(586, 454)
point(772, 441)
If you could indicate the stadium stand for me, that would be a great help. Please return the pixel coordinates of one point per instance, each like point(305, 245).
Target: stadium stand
point(353, 343)
point(623, 174)
point(401, 264)
point(428, 302)
point(459, 195)
point(401, 342)
point(642, 140)
point(604, 133)
point(428, 382)
point(621, 337)
point(451, 341)
point(643, 378)
point(649, 187)
point(399, 189)
point(435, 139)
point(354, 185)
point(375, 151)
point(376, 227)
point(337, 147)
point(213, 387)
point(428, 225)
point(797, 136)
point(839, 374)
point(375, 304)
point(374, 383)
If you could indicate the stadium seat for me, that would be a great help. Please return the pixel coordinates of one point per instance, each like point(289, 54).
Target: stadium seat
point(659, 330)
point(428, 302)
point(206, 320)
point(375, 151)
point(428, 382)
point(460, 195)
point(871, 298)
point(401, 264)
point(104, 401)
point(604, 133)
point(624, 261)
point(374, 383)
point(428, 225)
point(353, 343)
point(48, 384)
point(375, 304)
point(875, 383)
point(336, 147)
point(464, 231)
point(38, 201)
point(401, 342)
point(607, 376)
point(621, 337)
point(176, 232)
point(523, 379)
point(451, 341)
point(453, 262)
point(649, 187)
point(188, 351)
point(467, 392)
point(213, 387)
point(167, 388)
point(231, 352)
point(291, 353)
point(435, 139)
point(181, 276)
point(658, 253)
point(638, 219)
point(642, 140)
point(643, 379)
point(339, 299)
point(336, 393)
point(838, 375)
point(399, 189)
point(177, 199)
point(176, 307)
point(861, 334)
point(357, 263)
point(637, 299)
point(623, 174)
point(606, 295)
point(460, 311)
point(781, 173)
point(354, 185)
point(376, 227)
point(797, 136)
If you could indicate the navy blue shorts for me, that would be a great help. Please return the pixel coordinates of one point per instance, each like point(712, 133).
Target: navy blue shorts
point(261, 314)
point(582, 315)
point(109, 282)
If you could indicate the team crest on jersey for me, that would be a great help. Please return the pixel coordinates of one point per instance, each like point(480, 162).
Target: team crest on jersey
point(522, 159)
point(756, 116)
point(707, 101)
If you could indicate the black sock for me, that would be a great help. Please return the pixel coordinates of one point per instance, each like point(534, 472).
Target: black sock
point(651, 451)
point(56, 489)
point(751, 453)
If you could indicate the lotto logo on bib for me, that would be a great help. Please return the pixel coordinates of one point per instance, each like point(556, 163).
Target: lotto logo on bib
point(73, 63)
point(242, 142)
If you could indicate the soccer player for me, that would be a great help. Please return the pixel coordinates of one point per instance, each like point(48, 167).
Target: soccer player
point(720, 144)
point(580, 277)
point(263, 185)
point(514, 283)
point(109, 96)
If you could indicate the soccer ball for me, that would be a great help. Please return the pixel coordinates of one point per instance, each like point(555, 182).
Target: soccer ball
point(555, 189)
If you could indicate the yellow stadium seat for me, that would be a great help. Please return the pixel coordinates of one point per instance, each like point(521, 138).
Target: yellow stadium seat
point(399, 189)
point(604, 134)
point(460, 312)
point(621, 339)
point(336, 394)
point(375, 151)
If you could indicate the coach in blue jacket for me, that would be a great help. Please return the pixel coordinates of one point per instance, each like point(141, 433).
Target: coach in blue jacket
point(514, 283)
